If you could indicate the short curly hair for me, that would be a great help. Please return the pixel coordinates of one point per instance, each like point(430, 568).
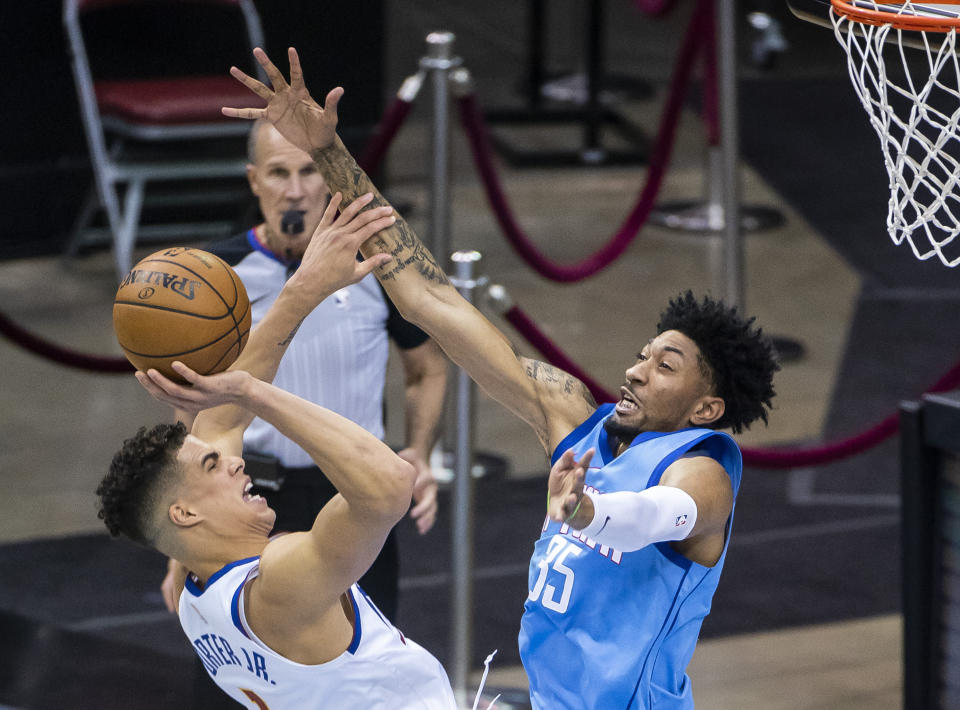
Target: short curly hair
point(139, 475)
point(737, 358)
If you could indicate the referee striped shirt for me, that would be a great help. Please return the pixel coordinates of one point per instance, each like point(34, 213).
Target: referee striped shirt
point(337, 359)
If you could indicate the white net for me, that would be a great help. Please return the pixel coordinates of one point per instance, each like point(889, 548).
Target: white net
point(914, 106)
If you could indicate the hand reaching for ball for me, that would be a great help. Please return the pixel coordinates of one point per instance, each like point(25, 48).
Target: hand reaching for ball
point(202, 392)
point(330, 261)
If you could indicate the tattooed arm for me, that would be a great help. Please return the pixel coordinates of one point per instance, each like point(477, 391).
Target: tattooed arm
point(551, 401)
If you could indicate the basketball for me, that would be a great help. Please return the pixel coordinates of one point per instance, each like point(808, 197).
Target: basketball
point(181, 304)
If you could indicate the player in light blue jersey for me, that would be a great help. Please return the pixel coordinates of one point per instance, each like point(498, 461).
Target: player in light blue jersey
point(641, 494)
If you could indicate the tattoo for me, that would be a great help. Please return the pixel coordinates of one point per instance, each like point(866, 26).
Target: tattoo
point(544, 372)
point(587, 395)
point(342, 173)
point(286, 341)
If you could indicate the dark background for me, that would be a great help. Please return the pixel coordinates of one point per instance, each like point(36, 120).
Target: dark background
point(43, 152)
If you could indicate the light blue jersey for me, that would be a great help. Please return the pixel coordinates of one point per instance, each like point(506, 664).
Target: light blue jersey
point(605, 630)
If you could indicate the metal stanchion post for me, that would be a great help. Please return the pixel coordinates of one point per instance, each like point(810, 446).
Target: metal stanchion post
point(462, 504)
point(439, 61)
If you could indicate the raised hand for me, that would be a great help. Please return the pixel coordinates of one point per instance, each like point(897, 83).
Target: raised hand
point(565, 486)
point(330, 261)
point(202, 393)
point(290, 108)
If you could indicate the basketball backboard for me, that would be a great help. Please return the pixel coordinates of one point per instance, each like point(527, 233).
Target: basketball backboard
point(816, 11)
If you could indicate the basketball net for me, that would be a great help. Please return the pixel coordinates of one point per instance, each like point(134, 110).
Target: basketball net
point(915, 109)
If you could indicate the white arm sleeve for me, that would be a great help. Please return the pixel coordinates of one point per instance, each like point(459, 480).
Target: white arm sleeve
point(627, 520)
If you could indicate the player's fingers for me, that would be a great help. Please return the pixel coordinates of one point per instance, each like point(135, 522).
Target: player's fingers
point(367, 266)
point(165, 390)
point(185, 372)
point(296, 71)
point(353, 209)
point(148, 385)
point(584, 461)
point(330, 103)
point(163, 383)
point(255, 85)
point(368, 225)
point(251, 114)
point(273, 74)
point(368, 216)
point(330, 213)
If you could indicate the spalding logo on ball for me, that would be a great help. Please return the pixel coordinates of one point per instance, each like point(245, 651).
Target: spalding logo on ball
point(182, 304)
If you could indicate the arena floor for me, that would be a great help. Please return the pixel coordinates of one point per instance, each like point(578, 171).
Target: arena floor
point(807, 616)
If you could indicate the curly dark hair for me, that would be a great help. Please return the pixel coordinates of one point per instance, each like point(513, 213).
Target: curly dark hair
point(138, 476)
point(737, 358)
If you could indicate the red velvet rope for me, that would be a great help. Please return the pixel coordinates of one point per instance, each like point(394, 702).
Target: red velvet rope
point(764, 458)
point(478, 137)
point(387, 129)
point(655, 8)
point(709, 85)
point(61, 355)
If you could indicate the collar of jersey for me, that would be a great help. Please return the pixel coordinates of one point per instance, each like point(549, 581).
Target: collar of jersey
point(603, 443)
point(195, 589)
point(259, 246)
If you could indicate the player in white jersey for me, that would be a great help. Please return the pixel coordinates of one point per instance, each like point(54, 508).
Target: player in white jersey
point(278, 623)
point(381, 668)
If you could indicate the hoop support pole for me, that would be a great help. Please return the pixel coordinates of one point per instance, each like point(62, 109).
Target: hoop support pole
point(705, 217)
point(729, 147)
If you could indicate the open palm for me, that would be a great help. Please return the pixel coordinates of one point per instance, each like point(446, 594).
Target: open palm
point(565, 485)
point(290, 107)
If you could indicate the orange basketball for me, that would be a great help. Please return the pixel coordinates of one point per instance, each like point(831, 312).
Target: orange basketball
point(182, 304)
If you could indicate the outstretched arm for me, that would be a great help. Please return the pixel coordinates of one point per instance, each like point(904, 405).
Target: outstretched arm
point(552, 402)
point(304, 574)
point(690, 507)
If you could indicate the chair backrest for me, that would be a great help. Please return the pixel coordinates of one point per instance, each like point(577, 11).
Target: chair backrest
point(73, 9)
point(84, 5)
point(86, 83)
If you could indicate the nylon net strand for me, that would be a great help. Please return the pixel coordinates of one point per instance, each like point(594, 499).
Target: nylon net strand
point(914, 107)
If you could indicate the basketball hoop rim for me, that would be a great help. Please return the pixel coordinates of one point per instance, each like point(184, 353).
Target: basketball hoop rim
point(915, 23)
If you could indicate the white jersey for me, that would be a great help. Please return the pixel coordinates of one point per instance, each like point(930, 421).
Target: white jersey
point(381, 669)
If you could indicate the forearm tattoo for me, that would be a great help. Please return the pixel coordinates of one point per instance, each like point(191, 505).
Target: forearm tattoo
point(342, 173)
point(286, 341)
point(548, 374)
